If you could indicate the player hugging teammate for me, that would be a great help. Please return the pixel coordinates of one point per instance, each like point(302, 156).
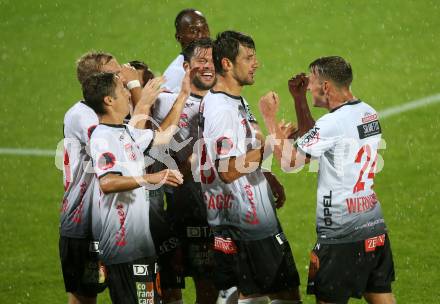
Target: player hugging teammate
point(191, 137)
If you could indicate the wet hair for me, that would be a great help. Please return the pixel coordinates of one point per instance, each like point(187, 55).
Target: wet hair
point(140, 65)
point(182, 14)
point(96, 87)
point(333, 68)
point(204, 43)
point(91, 63)
point(227, 45)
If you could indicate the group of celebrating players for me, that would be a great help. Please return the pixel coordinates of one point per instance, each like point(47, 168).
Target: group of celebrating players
point(163, 180)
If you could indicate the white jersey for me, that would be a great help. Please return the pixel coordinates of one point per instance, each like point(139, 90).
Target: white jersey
point(174, 75)
point(247, 204)
point(125, 232)
point(346, 141)
point(75, 219)
point(190, 205)
point(187, 135)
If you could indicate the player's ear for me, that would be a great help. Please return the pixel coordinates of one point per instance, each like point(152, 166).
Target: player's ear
point(186, 65)
point(108, 100)
point(226, 64)
point(178, 37)
point(326, 87)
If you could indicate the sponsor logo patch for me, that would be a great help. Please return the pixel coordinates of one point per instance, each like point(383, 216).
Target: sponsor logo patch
point(139, 269)
point(369, 117)
point(225, 245)
point(372, 243)
point(369, 129)
point(311, 138)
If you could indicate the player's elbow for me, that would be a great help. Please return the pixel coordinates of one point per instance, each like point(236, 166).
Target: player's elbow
point(227, 177)
point(106, 185)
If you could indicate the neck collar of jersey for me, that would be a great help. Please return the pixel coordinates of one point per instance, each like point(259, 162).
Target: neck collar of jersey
point(349, 103)
point(196, 96)
point(113, 125)
point(229, 95)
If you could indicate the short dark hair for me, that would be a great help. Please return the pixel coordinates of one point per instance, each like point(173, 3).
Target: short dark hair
point(91, 63)
point(204, 43)
point(227, 45)
point(334, 68)
point(96, 87)
point(183, 13)
point(140, 65)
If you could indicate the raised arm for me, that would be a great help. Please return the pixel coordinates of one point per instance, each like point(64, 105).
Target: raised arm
point(298, 88)
point(169, 124)
point(149, 95)
point(284, 149)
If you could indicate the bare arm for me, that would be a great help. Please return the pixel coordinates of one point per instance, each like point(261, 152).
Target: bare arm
point(284, 150)
point(112, 183)
point(129, 73)
point(298, 88)
point(169, 124)
point(150, 92)
point(233, 168)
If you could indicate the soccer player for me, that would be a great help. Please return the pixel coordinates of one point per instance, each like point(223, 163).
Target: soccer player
point(77, 239)
point(188, 212)
point(190, 25)
point(165, 239)
point(352, 256)
point(251, 250)
point(117, 151)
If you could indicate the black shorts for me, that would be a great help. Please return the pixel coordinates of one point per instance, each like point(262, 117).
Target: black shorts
point(83, 273)
point(198, 252)
point(171, 265)
point(340, 271)
point(135, 282)
point(167, 246)
point(257, 267)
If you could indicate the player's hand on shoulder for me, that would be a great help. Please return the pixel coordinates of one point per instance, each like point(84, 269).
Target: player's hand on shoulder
point(298, 85)
point(269, 104)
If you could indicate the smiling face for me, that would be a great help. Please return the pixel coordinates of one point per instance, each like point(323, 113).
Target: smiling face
point(205, 77)
point(192, 27)
point(245, 66)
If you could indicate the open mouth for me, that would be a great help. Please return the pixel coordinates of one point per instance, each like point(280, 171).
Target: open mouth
point(207, 76)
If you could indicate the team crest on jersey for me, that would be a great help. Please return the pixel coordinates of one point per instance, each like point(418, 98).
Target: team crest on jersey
point(311, 138)
point(224, 145)
point(130, 151)
point(183, 122)
point(106, 161)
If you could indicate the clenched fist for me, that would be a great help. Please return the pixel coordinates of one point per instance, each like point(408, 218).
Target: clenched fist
point(269, 105)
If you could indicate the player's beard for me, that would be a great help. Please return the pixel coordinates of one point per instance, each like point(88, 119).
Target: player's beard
point(199, 84)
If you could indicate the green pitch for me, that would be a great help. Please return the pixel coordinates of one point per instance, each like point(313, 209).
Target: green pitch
point(394, 50)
